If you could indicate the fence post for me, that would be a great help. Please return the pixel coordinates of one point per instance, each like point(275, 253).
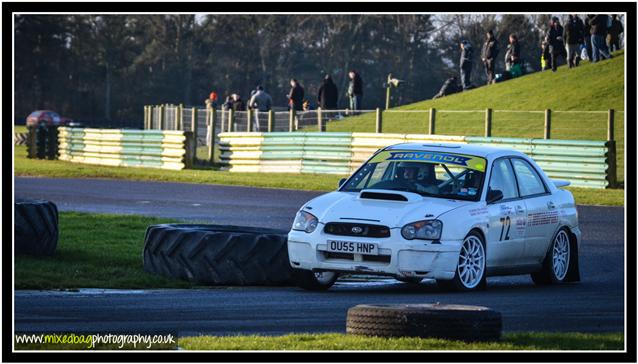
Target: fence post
point(387, 96)
point(161, 117)
point(320, 125)
point(379, 121)
point(145, 116)
point(231, 120)
point(548, 124)
point(610, 125)
point(291, 120)
point(432, 122)
point(178, 117)
point(249, 120)
point(212, 121)
point(271, 120)
point(488, 123)
point(189, 145)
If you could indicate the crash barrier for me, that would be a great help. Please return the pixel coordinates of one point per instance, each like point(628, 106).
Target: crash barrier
point(441, 321)
point(583, 163)
point(42, 142)
point(36, 227)
point(20, 138)
point(131, 148)
point(218, 255)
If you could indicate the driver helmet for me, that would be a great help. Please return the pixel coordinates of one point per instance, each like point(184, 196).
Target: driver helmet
point(412, 170)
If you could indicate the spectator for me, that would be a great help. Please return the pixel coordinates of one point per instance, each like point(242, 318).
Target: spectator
point(556, 43)
point(234, 102)
point(355, 90)
point(587, 38)
point(545, 57)
point(598, 31)
point(296, 95)
point(466, 64)
point(262, 102)
point(613, 35)
point(488, 56)
point(513, 53)
point(573, 34)
point(328, 94)
point(211, 100)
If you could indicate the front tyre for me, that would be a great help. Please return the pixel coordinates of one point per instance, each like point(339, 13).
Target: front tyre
point(559, 263)
point(314, 281)
point(470, 270)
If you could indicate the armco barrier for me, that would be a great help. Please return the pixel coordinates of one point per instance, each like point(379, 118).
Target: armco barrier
point(582, 162)
point(131, 148)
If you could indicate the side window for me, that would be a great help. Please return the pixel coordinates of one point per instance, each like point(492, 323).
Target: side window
point(529, 181)
point(503, 179)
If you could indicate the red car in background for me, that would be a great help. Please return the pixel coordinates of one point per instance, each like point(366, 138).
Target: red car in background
point(48, 117)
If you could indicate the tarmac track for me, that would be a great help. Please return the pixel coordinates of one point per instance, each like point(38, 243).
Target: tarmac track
point(594, 305)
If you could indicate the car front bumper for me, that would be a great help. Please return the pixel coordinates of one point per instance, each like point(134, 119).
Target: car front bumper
point(397, 256)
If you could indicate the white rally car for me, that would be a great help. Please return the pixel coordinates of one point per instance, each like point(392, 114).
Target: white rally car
point(453, 212)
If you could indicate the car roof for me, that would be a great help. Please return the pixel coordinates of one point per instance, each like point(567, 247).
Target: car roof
point(457, 148)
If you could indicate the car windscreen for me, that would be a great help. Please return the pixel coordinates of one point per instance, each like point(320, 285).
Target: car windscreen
point(435, 174)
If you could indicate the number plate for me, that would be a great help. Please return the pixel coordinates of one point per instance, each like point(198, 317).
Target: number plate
point(340, 246)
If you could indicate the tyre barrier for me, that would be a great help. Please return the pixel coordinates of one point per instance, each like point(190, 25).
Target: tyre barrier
point(36, 227)
point(443, 321)
point(218, 255)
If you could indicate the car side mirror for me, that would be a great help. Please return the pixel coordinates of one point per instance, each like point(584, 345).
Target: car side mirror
point(494, 196)
point(342, 181)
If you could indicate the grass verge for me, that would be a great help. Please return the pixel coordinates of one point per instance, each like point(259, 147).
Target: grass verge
point(94, 250)
point(310, 182)
point(510, 341)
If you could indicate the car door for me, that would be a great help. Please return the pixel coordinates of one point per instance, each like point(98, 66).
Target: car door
point(505, 238)
point(542, 211)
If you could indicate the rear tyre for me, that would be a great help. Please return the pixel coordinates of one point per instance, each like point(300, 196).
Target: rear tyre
point(560, 264)
point(470, 270)
point(314, 281)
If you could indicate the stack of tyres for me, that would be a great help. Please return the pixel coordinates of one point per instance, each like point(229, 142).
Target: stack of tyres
point(36, 227)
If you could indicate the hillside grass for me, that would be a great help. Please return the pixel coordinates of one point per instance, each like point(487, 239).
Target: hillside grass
point(589, 87)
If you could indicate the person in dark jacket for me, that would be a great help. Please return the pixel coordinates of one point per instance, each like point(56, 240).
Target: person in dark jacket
point(466, 64)
point(613, 34)
point(355, 90)
point(513, 53)
point(556, 43)
point(587, 38)
point(296, 95)
point(598, 31)
point(488, 55)
point(573, 35)
point(545, 56)
point(328, 94)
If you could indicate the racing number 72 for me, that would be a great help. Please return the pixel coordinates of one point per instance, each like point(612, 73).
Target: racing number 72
point(505, 221)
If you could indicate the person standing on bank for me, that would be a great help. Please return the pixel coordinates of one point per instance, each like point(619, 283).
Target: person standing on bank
point(466, 64)
point(355, 90)
point(613, 34)
point(513, 53)
point(328, 94)
point(260, 101)
point(573, 34)
point(488, 56)
point(556, 43)
point(598, 30)
point(296, 95)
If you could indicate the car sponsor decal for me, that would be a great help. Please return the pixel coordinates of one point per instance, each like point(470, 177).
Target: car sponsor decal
point(542, 218)
point(478, 211)
point(475, 163)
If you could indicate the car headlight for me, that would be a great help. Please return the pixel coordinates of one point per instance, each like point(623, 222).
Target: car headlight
point(305, 222)
point(424, 229)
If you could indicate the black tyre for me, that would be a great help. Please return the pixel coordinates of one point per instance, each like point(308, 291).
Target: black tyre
point(314, 281)
point(471, 267)
point(36, 227)
point(561, 262)
point(218, 255)
point(454, 322)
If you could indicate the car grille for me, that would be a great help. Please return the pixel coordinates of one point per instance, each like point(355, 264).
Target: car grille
point(350, 229)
